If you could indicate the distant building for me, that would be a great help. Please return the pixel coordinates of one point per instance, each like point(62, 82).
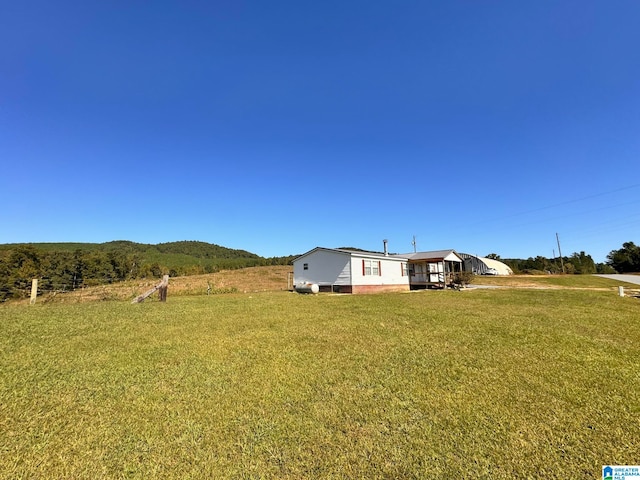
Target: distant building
point(485, 266)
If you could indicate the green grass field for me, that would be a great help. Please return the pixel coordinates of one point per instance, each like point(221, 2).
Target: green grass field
point(550, 281)
point(501, 383)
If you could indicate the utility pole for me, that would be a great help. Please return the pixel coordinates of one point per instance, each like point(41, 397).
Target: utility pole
point(560, 253)
point(414, 244)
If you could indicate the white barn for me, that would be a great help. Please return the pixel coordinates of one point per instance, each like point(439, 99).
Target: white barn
point(485, 266)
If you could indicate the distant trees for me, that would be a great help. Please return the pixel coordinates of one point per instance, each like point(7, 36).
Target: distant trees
point(625, 259)
point(61, 268)
point(581, 263)
point(203, 250)
point(532, 265)
point(577, 263)
point(605, 268)
point(57, 270)
point(17, 268)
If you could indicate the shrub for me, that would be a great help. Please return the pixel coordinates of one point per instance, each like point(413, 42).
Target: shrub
point(463, 278)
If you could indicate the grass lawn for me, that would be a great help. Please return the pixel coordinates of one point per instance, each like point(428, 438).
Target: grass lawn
point(501, 383)
point(551, 281)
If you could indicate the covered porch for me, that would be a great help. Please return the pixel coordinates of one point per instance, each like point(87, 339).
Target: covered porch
point(433, 269)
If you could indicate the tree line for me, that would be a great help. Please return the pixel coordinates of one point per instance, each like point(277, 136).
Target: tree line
point(61, 270)
point(623, 260)
point(576, 263)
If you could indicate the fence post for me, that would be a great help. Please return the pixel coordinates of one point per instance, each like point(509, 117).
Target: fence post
point(164, 286)
point(34, 291)
point(161, 288)
point(621, 291)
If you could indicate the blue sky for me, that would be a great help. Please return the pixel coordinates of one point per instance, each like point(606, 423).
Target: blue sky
point(279, 126)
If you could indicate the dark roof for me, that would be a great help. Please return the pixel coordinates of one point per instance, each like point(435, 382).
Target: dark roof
point(432, 255)
point(357, 253)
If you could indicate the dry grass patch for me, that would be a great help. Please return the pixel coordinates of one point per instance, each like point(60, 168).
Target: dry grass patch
point(246, 280)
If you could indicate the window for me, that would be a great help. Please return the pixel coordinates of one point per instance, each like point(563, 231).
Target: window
point(403, 269)
point(371, 267)
point(305, 266)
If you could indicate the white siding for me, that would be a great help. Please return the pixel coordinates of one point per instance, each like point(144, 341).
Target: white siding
point(323, 267)
point(390, 272)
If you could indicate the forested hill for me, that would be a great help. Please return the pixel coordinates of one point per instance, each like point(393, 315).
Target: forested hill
point(66, 266)
point(191, 248)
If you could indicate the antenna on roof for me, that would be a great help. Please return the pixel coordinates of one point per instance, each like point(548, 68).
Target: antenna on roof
point(414, 244)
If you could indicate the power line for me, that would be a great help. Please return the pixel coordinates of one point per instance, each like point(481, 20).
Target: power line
point(583, 212)
point(556, 205)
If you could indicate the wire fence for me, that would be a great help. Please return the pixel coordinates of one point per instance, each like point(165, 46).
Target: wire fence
point(49, 287)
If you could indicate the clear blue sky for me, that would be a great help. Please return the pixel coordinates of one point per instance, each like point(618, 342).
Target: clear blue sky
point(279, 126)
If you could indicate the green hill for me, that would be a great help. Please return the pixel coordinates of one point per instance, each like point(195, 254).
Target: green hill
point(67, 266)
point(191, 248)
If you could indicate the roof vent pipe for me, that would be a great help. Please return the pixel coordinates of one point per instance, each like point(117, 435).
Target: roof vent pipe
point(386, 251)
